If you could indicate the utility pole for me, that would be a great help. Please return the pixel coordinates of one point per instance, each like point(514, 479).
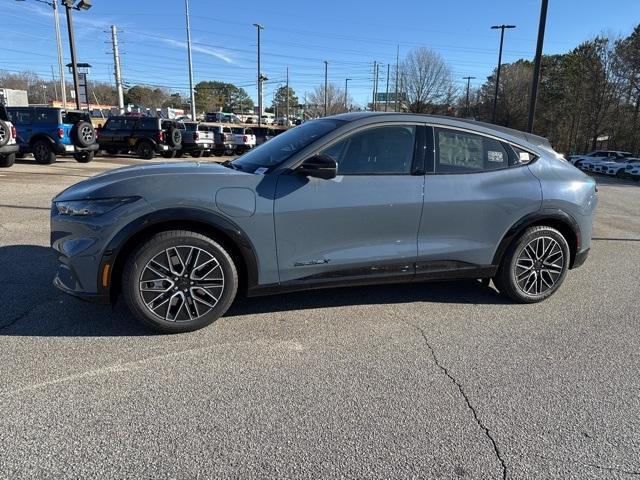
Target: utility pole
point(386, 98)
point(495, 97)
point(346, 87)
point(326, 85)
point(56, 19)
point(375, 101)
point(397, 70)
point(537, 65)
point(287, 114)
point(468, 79)
point(116, 68)
point(373, 97)
point(191, 90)
point(259, 27)
point(55, 87)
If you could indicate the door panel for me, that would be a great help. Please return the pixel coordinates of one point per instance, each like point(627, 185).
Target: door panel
point(350, 226)
point(466, 215)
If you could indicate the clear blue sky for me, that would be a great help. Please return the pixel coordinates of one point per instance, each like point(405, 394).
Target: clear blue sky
point(349, 34)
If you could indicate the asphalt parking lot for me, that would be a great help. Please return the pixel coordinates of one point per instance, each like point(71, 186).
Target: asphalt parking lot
point(420, 381)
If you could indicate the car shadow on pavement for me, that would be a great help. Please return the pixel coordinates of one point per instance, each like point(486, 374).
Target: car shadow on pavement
point(32, 306)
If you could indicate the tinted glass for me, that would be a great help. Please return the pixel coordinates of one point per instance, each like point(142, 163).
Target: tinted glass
point(375, 151)
point(113, 124)
point(45, 115)
point(74, 117)
point(462, 152)
point(282, 147)
point(20, 115)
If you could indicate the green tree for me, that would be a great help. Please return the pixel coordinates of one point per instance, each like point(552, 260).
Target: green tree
point(146, 96)
point(280, 101)
point(212, 96)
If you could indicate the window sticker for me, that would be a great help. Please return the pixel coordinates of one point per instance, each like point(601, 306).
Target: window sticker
point(261, 171)
point(495, 156)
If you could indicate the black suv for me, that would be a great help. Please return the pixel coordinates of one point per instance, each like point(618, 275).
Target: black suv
point(49, 131)
point(145, 136)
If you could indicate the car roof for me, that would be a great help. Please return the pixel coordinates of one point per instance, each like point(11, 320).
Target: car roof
point(481, 127)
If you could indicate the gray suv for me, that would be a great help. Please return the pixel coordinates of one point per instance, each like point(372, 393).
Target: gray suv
point(353, 199)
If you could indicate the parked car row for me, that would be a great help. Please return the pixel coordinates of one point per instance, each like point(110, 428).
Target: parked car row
point(609, 162)
point(48, 132)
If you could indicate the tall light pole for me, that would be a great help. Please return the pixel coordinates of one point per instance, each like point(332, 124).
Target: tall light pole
point(82, 5)
point(468, 79)
point(116, 68)
point(346, 87)
point(326, 85)
point(537, 65)
point(191, 91)
point(495, 97)
point(56, 21)
point(259, 27)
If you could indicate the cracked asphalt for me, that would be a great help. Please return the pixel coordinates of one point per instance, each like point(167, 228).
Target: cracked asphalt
point(421, 381)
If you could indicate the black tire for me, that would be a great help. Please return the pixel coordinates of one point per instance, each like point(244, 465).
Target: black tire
point(5, 133)
point(175, 137)
point(83, 134)
point(43, 153)
point(83, 157)
point(169, 154)
point(7, 160)
point(136, 271)
point(196, 153)
point(145, 150)
point(539, 284)
point(112, 151)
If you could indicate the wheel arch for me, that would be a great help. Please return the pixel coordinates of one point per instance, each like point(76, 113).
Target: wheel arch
point(216, 227)
point(558, 219)
point(40, 136)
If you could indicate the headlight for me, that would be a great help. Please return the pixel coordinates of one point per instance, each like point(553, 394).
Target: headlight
point(87, 208)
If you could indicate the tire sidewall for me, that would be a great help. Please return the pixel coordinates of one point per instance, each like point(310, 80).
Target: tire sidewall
point(77, 137)
point(136, 264)
point(7, 160)
point(514, 253)
point(47, 159)
point(7, 133)
point(145, 150)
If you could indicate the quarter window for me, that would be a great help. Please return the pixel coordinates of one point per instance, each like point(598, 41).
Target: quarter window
point(375, 151)
point(462, 152)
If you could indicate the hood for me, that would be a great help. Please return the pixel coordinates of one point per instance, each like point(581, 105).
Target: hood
point(141, 179)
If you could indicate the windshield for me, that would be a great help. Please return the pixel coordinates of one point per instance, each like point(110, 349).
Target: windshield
point(280, 148)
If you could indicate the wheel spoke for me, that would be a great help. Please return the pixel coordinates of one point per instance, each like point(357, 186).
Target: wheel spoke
point(539, 265)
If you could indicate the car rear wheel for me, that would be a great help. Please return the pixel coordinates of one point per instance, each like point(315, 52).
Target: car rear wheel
point(145, 151)
point(5, 133)
point(7, 160)
point(534, 266)
point(83, 157)
point(179, 281)
point(43, 153)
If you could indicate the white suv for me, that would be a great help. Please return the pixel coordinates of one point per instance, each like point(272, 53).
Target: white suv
point(8, 145)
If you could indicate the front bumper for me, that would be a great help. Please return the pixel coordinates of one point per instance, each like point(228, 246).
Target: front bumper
point(9, 149)
point(64, 275)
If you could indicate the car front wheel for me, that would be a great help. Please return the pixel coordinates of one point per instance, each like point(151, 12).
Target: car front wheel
point(179, 281)
point(534, 266)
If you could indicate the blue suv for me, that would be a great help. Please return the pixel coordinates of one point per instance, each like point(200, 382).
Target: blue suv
point(47, 132)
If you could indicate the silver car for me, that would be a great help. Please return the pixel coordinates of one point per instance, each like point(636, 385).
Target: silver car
point(352, 199)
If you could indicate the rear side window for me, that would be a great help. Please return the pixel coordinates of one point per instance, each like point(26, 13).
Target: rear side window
point(20, 115)
point(463, 152)
point(75, 117)
point(45, 115)
point(113, 124)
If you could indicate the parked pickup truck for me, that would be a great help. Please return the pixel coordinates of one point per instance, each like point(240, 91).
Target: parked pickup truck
point(8, 145)
point(244, 139)
point(197, 140)
point(224, 143)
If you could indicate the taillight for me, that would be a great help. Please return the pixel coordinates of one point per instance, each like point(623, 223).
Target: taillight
point(13, 132)
point(245, 139)
point(196, 136)
point(160, 136)
point(61, 133)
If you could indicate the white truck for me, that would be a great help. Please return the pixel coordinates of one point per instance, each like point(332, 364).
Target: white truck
point(244, 139)
point(8, 145)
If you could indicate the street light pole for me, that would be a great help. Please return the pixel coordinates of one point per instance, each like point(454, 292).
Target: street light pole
point(259, 27)
point(191, 91)
point(495, 97)
point(346, 86)
point(468, 79)
point(326, 99)
point(537, 66)
point(72, 46)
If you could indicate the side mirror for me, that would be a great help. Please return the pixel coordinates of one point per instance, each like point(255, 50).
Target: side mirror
point(319, 166)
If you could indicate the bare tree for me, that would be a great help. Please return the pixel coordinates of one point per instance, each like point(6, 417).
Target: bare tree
point(427, 81)
point(335, 101)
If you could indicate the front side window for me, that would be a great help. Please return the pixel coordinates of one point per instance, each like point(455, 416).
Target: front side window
point(375, 151)
point(463, 152)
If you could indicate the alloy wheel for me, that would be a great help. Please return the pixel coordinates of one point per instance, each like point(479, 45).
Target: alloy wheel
point(181, 283)
point(539, 266)
point(87, 134)
point(3, 134)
